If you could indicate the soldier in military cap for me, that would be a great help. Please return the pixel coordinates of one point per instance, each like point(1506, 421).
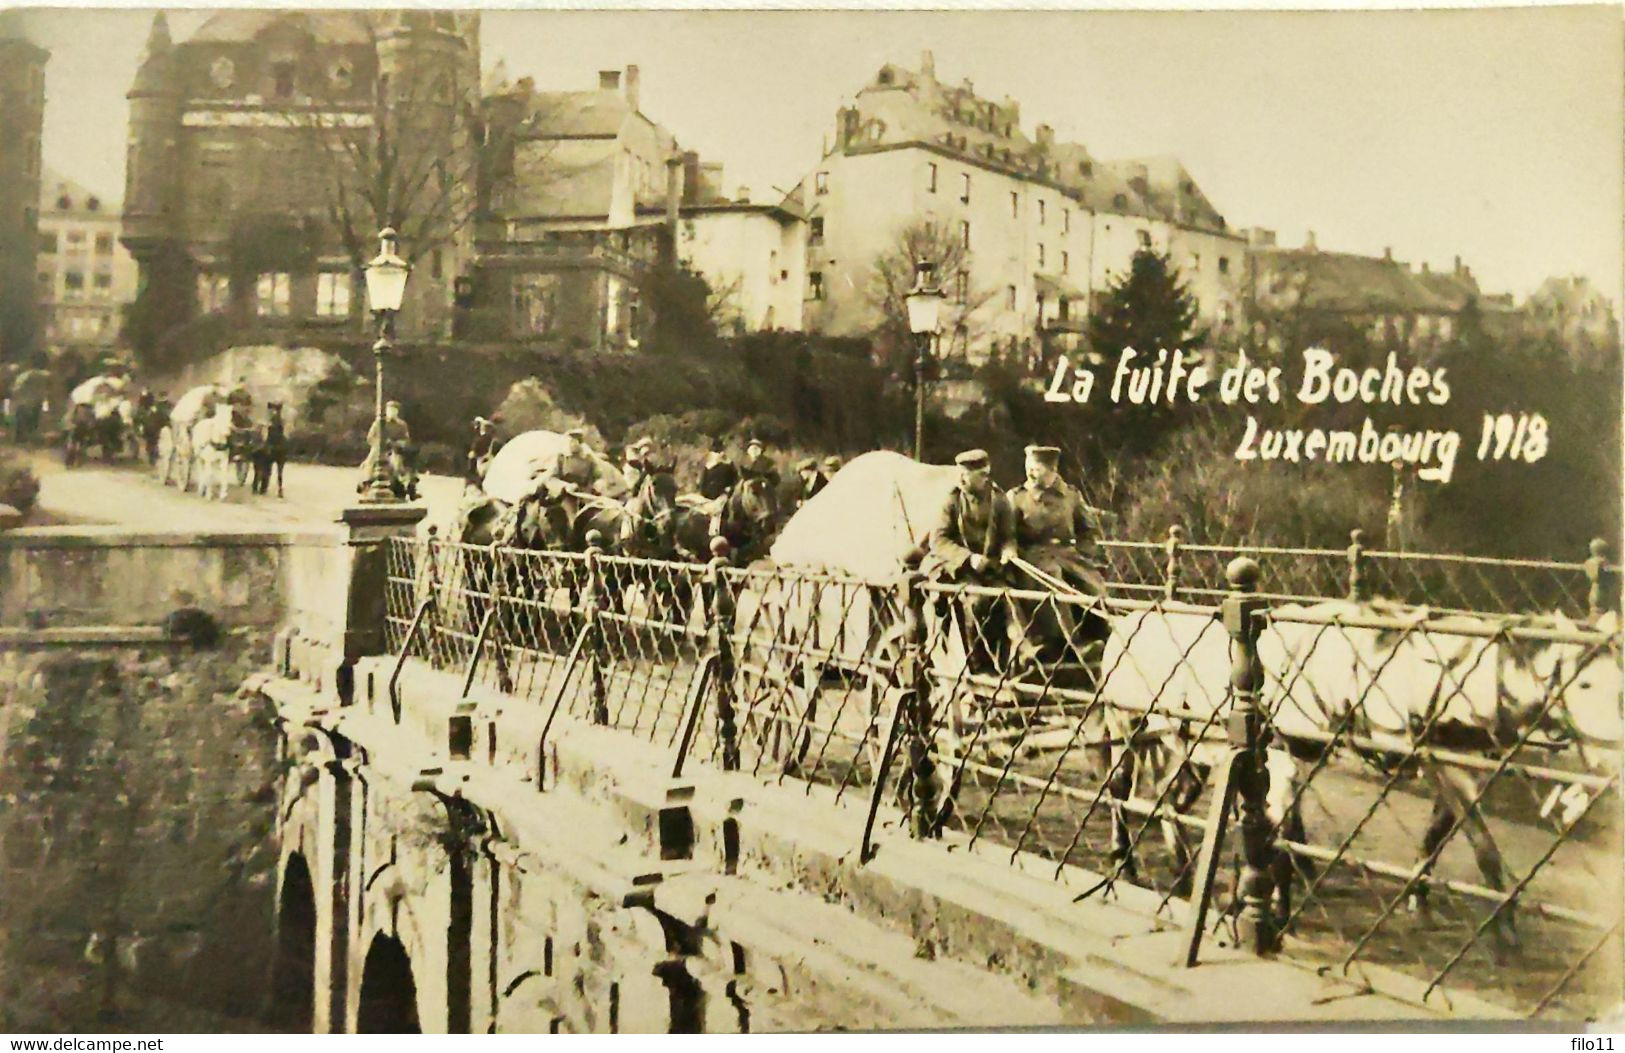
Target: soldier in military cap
point(808, 481)
point(974, 538)
point(634, 464)
point(719, 474)
point(1056, 531)
point(575, 468)
point(758, 464)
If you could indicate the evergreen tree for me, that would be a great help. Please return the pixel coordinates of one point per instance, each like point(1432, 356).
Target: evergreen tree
point(1147, 309)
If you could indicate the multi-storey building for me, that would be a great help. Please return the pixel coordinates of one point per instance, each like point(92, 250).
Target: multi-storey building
point(1392, 303)
point(84, 275)
point(752, 254)
point(254, 182)
point(1042, 226)
point(22, 117)
point(1577, 314)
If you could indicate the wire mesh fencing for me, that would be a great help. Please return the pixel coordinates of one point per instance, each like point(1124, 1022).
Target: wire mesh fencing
point(1387, 793)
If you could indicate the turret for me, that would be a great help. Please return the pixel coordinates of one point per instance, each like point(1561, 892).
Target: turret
point(150, 189)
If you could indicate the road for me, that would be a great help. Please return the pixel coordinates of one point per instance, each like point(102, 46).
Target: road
point(131, 496)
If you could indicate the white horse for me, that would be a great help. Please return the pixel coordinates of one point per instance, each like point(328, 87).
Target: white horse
point(211, 453)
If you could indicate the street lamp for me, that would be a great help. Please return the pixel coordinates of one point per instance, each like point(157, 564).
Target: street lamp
point(386, 287)
point(924, 310)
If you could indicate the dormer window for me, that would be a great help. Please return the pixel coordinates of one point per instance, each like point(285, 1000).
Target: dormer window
point(64, 203)
point(1086, 169)
point(1120, 201)
point(885, 77)
point(94, 204)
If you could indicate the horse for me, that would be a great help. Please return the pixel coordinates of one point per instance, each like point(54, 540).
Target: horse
point(270, 450)
point(210, 440)
point(748, 519)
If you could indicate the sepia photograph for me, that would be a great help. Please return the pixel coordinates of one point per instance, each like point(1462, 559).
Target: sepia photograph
point(630, 521)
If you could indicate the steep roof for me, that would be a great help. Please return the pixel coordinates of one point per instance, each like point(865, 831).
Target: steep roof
point(576, 114)
point(1344, 283)
point(243, 25)
point(1455, 288)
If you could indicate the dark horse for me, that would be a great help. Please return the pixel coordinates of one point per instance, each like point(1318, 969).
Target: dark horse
point(83, 432)
point(748, 521)
point(270, 450)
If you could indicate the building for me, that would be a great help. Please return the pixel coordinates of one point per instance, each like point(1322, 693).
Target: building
point(752, 254)
point(85, 275)
point(254, 184)
point(1041, 226)
point(22, 118)
point(1386, 299)
point(1575, 313)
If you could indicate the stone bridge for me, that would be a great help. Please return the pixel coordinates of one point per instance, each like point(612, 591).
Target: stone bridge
point(450, 857)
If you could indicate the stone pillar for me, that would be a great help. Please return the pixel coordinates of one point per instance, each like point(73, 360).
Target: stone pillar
point(369, 528)
point(331, 874)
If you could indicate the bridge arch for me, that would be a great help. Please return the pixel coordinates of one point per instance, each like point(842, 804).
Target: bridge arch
point(293, 971)
point(389, 997)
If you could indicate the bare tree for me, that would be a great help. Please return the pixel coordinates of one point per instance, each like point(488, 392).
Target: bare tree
point(934, 242)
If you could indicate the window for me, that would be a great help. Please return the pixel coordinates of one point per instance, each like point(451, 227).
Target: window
point(821, 183)
point(816, 233)
point(104, 244)
point(931, 177)
point(94, 204)
point(282, 76)
point(1041, 256)
point(1145, 238)
point(47, 241)
point(64, 203)
point(104, 281)
point(72, 283)
point(271, 293)
point(815, 281)
point(1224, 264)
point(1066, 262)
point(213, 292)
point(962, 287)
point(1086, 169)
point(1010, 297)
point(44, 278)
point(1066, 221)
point(1120, 201)
point(1196, 261)
point(1015, 204)
point(964, 187)
point(534, 298)
point(332, 295)
point(437, 264)
point(1040, 213)
point(76, 241)
point(964, 234)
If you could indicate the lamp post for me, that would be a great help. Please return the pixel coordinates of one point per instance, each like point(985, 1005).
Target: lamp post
point(924, 316)
point(386, 287)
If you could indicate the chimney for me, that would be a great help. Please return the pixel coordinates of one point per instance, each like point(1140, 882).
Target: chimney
point(1046, 135)
point(632, 88)
point(691, 177)
point(1459, 267)
point(1260, 237)
point(1309, 241)
point(1388, 253)
point(1425, 268)
point(609, 80)
point(928, 65)
point(711, 181)
point(742, 196)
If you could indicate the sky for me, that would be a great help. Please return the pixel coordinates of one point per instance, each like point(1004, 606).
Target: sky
point(1494, 135)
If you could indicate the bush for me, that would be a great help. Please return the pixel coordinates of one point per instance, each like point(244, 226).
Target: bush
point(18, 486)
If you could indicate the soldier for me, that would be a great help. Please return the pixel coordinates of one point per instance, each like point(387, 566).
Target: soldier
point(241, 402)
point(575, 468)
point(719, 474)
point(396, 437)
point(809, 482)
point(1055, 529)
point(758, 464)
point(480, 451)
point(973, 539)
point(636, 465)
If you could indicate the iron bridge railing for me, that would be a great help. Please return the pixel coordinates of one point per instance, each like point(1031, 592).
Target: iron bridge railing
point(1380, 791)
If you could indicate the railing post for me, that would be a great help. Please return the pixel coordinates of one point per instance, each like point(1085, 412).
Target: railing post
point(1359, 590)
point(720, 613)
point(922, 800)
point(1170, 581)
point(595, 628)
point(1248, 735)
point(1598, 598)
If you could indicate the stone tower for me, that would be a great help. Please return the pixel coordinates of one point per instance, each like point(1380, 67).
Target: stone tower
point(22, 120)
point(152, 222)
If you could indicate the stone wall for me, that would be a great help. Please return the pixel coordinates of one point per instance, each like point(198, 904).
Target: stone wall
point(53, 576)
point(137, 801)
